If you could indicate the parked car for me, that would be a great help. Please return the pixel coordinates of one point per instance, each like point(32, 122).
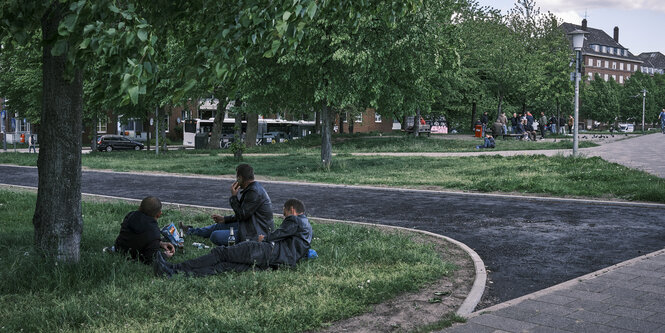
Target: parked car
point(626, 128)
point(117, 142)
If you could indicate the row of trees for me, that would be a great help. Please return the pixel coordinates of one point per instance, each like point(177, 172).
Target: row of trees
point(73, 60)
point(609, 102)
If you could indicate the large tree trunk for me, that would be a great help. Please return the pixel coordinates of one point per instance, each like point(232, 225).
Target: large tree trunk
point(252, 129)
point(351, 121)
point(57, 220)
point(474, 108)
point(341, 121)
point(326, 135)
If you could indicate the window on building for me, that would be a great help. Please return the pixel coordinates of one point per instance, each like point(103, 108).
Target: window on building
point(614, 77)
point(611, 50)
point(625, 53)
point(102, 125)
point(614, 65)
point(377, 117)
point(590, 76)
point(607, 77)
point(604, 49)
point(621, 65)
point(167, 121)
point(598, 63)
point(22, 124)
point(346, 116)
point(359, 118)
point(590, 62)
point(621, 79)
point(185, 114)
point(628, 67)
point(651, 70)
point(596, 47)
point(607, 64)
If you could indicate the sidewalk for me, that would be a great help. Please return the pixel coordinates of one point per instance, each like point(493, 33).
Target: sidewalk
point(627, 297)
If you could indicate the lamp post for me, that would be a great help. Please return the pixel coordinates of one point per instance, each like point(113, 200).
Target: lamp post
point(578, 42)
point(644, 97)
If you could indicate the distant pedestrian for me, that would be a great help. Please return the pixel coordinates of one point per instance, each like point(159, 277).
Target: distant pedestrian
point(543, 124)
point(661, 116)
point(571, 124)
point(513, 122)
point(504, 121)
point(553, 124)
point(31, 144)
point(484, 119)
point(562, 125)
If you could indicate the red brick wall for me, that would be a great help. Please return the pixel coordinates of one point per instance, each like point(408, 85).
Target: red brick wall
point(368, 123)
point(609, 70)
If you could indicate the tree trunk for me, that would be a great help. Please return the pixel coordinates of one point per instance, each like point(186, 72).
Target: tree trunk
point(237, 136)
point(162, 130)
point(474, 108)
point(148, 134)
point(342, 115)
point(351, 121)
point(57, 219)
point(416, 123)
point(326, 135)
point(500, 103)
point(93, 145)
point(218, 124)
point(252, 129)
point(317, 122)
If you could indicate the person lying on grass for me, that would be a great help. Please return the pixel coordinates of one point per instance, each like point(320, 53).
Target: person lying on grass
point(284, 246)
point(139, 233)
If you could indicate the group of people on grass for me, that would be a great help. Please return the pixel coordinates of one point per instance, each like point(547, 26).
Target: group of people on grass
point(259, 245)
point(525, 126)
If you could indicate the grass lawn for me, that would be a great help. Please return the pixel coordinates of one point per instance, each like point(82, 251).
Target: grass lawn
point(556, 175)
point(363, 143)
point(357, 267)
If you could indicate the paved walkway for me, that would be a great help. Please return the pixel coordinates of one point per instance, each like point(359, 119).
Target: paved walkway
point(627, 297)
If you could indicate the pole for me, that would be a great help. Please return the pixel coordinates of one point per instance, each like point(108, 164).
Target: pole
point(157, 130)
point(644, 96)
point(577, 102)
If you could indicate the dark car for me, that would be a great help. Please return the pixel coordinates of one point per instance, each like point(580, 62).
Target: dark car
point(113, 142)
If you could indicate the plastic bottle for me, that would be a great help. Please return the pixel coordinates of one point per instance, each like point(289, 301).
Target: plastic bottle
point(232, 238)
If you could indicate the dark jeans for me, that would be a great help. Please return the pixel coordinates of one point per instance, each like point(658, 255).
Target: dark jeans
point(218, 232)
point(238, 258)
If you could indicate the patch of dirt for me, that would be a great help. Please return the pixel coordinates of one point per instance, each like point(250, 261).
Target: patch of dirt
point(408, 311)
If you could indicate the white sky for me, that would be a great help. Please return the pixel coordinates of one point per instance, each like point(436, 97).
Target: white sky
point(641, 22)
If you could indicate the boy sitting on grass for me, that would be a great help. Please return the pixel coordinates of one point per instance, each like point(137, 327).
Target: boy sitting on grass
point(139, 233)
point(284, 246)
point(489, 142)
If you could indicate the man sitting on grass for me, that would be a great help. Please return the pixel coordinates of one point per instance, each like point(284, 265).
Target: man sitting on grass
point(489, 142)
point(139, 233)
point(284, 246)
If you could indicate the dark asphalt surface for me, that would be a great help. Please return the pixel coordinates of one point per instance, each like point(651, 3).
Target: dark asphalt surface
point(526, 244)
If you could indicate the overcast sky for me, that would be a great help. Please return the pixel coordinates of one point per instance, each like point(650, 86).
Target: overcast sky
point(641, 22)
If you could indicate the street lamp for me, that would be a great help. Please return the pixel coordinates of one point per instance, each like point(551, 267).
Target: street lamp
point(644, 97)
point(578, 42)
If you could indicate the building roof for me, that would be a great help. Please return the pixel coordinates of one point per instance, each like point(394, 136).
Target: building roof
point(599, 37)
point(653, 59)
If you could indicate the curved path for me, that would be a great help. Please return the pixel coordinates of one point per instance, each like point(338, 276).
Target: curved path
point(527, 243)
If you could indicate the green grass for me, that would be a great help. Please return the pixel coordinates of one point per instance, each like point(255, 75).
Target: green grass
point(557, 176)
point(400, 143)
point(357, 267)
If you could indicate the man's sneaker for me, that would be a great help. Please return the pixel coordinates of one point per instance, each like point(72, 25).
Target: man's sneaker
point(184, 228)
point(109, 249)
point(160, 267)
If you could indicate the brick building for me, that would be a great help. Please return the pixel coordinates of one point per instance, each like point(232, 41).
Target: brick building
point(368, 121)
point(604, 55)
point(653, 63)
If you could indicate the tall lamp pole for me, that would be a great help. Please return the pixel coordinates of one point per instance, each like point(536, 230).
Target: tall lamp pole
point(644, 97)
point(578, 42)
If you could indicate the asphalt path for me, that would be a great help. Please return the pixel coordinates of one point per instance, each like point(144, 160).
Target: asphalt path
point(527, 243)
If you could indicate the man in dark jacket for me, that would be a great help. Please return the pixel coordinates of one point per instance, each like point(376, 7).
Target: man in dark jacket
point(139, 233)
point(252, 210)
point(283, 247)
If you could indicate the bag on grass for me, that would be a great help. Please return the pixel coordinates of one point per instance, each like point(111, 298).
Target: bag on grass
point(170, 232)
